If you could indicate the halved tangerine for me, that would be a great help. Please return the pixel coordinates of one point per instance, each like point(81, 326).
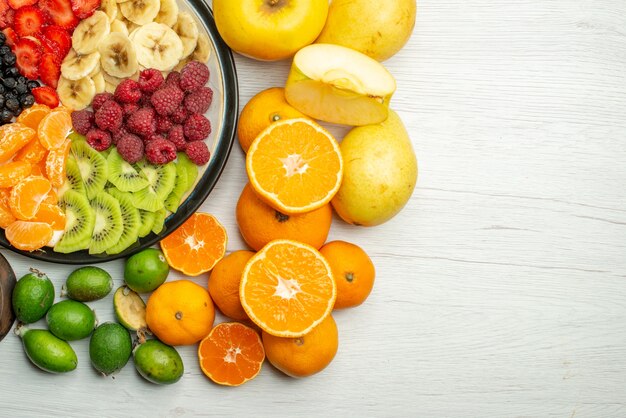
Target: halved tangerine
point(231, 354)
point(54, 129)
point(27, 195)
point(28, 236)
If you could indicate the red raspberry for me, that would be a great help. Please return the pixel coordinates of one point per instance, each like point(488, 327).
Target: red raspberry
point(177, 137)
point(198, 152)
point(115, 136)
point(198, 101)
point(83, 121)
point(163, 124)
point(127, 92)
point(130, 147)
point(153, 137)
point(180, 115)
point(160, 151)
point(193, 75)
point(173, 79)
point(129, 108)
point(109, 116)
point(166, 100)
point(99, 99)
point(142, 122)
point(98, 139)
point(150, 80)
point(196, 127)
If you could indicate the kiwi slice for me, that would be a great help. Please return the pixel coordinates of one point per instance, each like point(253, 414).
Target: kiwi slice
point(161, 181)
point(180, 187)
point(130, 221)
point(190, 167)
point(79, 224)
point(108, 228)
point(146, 222)
point(159, 221)
point(73, 179)
point(92, 166)
point(123, 175)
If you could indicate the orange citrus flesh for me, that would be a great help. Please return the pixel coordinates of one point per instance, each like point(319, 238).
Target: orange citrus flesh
point(27, 196)
point(28, 236)
point(13, 137)
point(54, 128)
point(52, 215)
point(14, 172)
point(32, 153)
point(55, 163)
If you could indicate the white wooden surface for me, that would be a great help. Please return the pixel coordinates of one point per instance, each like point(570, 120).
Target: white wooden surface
point(501, 288)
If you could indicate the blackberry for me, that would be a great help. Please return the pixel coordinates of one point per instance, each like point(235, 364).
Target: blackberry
point(12, 104)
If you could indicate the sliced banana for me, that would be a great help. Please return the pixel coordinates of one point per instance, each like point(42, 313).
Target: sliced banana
point(131, 35)
point(95, 71)
point(182, 63)
point(158, 46)
point(90, 32)
point(76, 94)
point(140, 12)
point(76, 66)
point(119, 26)
point(110, 8)
point(98, 82)
point(168, 13)
point(187, 30)
point(203, 49)
point(118, 56)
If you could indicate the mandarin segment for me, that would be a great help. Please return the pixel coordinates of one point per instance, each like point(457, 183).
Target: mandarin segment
point(27, 196)
point(14, 172)
point(55, 163)
point(54, 128)
point(32, 153)
point(52, 215)
point(13, 137)
point(28, 236)
point(33, 115)
point(6, 217)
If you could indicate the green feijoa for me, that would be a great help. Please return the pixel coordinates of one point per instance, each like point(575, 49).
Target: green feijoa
point(71, 320)
point(130, 309)
point(158, 363)
point(32, 296)
point(87, 284)
point(146, 270)
point(110, 347)
point(46, 351)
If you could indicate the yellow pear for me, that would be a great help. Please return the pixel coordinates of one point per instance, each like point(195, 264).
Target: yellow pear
point(378, 29)
point(379, 175)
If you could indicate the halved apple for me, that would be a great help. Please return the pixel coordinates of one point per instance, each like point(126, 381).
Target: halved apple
point(339, 85)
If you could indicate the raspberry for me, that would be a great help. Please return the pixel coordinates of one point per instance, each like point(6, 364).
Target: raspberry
point(166, 100)
point(115, 136)
point(99, 99)
point(163, 124)
point(150, 80)
point(142, 122)
point(83, 121)
point(173, 79)
point(127, 92)
point(109, 116)
point(145, 100)
point(129, 108)
point(98, 139)
point(180, 115)
point(199, 100)
point(193, 75)
point(197, 127)
point(130, 147)
point(176, 136)
point(153, 137)
point(160, 151)
point(198, 152)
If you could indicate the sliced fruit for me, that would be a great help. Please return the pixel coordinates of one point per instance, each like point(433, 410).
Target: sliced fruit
point(54, 129)
point(295, 166)
point(27, 196)
point(157, 46)
point(73, 179)
point(130, 309)
point(187, 30)
point(287, 288)
point(123, 175)
point(110, 8)
point(84, 8)
point(168, 12)
point(161, 180)
point(28, 236)
point(16, 4)
point(14, 172)
point(6, 217)
point(197, 245)
point(79, 225)
point(55, 164)
point(50, 69)
point(59, 37)
point(140, 12)
point(119, 26)
point(92, 166)
point(10, 34)
point(109, 226)
point(46, 95)
point(90, 33)
point(130, 222)
point(180, 187)
point(27, 54)
point(52, 215)
point(60, 12)
point(118, 56)
point(231, 354)
point(339, 85)
point(190, 168)
point(13, 137)
point(28, 21)
point(146, 223)
point(159, 221)
point(76, 66)
point(31, 117)
point(203, 48)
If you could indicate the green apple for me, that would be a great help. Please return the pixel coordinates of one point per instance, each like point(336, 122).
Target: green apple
point(339, 85)
point(379, 175)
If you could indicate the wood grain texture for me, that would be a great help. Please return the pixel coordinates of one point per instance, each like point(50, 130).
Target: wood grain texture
point(500, 288)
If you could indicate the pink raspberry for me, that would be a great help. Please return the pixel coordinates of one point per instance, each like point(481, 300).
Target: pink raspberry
point(160, 151)
point(98, 139)
point(142, 122)
point(129, 108)
point(166, 100)
point(193, 75)
point(177, 137)
point(130, 147)
point(153, 137)
point(163, 124)
point(83, 121)
point(99, 99)
point(115, 136)
point(173, 79)
point(199, 101)
point(150, 80)
point(196, 127)
point(198, 152)
point(180, 115)
point(127, 92)
point(145, 100)
point(109, 116)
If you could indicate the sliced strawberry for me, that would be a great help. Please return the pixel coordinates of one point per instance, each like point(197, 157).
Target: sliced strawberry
point(60, 37)
point(12, 37)
point(16, 4)
point(28, 21)
point(6, 15)
point(60, 13)
point(50, 70)
point(46, 96)
point(27, 54)
point(84, 8)
point(49, 47)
